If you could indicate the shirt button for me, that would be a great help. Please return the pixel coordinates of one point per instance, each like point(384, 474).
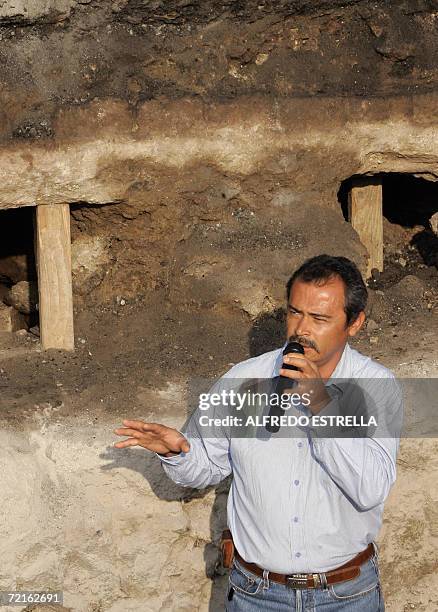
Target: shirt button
point(298, 554)
point(295, 519)
point(300, 444)
point(296, 482)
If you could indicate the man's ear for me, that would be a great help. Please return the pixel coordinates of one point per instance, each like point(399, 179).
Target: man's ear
point(357, 324)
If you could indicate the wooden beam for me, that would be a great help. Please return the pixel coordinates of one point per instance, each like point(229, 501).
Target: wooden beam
point(53, 255)
point(366, 216)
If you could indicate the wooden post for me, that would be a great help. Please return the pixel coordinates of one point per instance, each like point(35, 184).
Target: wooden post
point(53, 254)
point(366, 216)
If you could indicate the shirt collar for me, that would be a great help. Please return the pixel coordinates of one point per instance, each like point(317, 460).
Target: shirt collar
point(343, 367)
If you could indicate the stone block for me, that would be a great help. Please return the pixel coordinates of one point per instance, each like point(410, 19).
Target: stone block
point(10, 319)
point(24, 297)
point(434, 223)
point(23, 11)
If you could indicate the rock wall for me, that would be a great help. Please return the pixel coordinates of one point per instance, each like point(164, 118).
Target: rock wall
point(195, 124)
point(201, 146)
point(111, 530)
point(177, 130)
point(173, 194)
point(136, 51)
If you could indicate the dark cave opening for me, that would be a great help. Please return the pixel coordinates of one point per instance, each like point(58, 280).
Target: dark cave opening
point(18, 272)
point(408, 201)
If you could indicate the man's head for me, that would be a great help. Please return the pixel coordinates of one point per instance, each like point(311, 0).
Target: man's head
point(326, 301)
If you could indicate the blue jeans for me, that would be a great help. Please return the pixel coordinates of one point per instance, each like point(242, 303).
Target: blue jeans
point(247, 592)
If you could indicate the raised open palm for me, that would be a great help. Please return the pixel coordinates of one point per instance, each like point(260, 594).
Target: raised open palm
point(153, 436)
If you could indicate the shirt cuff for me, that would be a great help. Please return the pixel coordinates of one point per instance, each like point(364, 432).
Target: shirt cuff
point(176, 459)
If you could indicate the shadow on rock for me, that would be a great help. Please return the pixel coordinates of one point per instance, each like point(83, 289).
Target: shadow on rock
point(149, 466)
point(267, 333)
point(426, 243)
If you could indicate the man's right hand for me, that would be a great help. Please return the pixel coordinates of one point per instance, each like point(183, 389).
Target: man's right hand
point(153, 436)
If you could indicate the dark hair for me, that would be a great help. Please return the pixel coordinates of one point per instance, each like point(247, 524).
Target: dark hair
point(322, 268)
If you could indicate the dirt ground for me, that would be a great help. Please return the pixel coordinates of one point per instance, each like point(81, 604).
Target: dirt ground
point(149, 341)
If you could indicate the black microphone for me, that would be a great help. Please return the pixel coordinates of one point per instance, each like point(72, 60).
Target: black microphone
point(281, 383)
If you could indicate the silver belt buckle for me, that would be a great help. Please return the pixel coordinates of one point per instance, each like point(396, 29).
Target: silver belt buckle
point(296, 581)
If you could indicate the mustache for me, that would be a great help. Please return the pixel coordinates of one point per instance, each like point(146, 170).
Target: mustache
point(304, 342)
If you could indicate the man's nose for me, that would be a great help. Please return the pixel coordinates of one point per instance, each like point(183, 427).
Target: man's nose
point(303, 328)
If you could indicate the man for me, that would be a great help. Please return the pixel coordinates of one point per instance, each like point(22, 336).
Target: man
point(303, 511)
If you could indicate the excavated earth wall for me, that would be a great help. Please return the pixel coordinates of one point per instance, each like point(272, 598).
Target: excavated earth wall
point(201, 146)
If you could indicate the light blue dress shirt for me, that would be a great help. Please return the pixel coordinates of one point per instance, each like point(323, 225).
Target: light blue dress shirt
point(300, 504)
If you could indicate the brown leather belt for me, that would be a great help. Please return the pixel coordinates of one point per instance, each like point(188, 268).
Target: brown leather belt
point(348, 571)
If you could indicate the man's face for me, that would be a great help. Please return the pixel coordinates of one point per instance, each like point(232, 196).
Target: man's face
point(316, 319)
